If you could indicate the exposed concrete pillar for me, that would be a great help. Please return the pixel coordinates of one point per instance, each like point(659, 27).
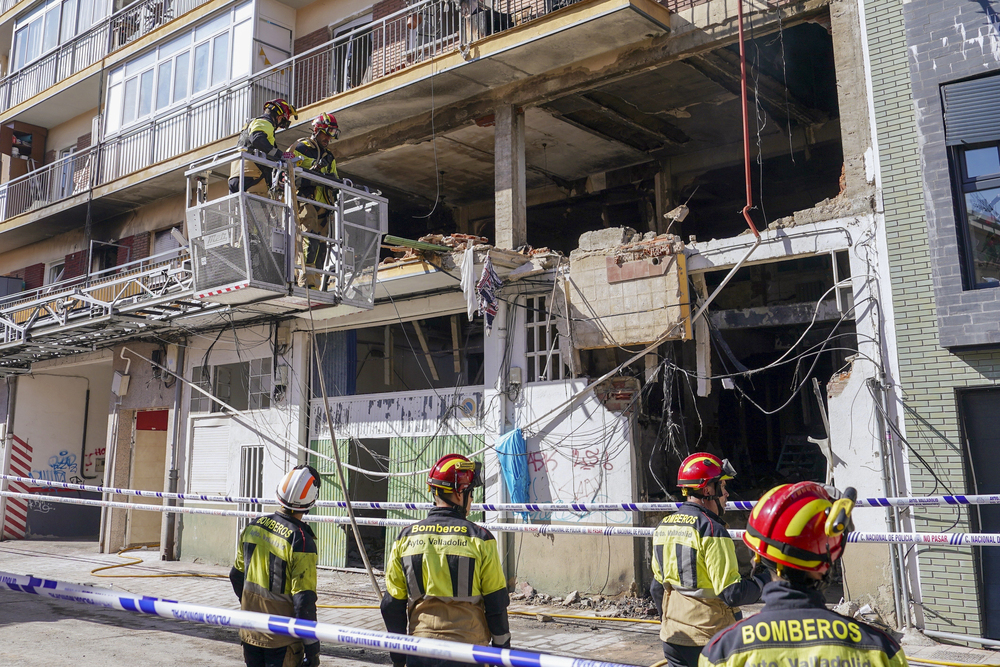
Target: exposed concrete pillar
point(852, 96)
point(508, 155)
point(663, 188)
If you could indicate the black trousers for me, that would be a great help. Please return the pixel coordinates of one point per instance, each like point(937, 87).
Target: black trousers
point(417, 661)
point(681, 656)
point(283, 656)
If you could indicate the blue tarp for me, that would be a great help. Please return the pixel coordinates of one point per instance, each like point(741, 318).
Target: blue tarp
point(512, 451)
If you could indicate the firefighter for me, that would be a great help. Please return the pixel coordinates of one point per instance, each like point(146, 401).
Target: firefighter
point(315, 156)
point(275, 573)
point(696, 580)
point(443, 578)
point(258, 136)
point(797, 532)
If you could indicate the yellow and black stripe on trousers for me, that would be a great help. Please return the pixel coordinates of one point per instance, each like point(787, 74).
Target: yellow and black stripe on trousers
point(795, 629)
point(275, 573)
point(444, 580)
point(696, 579)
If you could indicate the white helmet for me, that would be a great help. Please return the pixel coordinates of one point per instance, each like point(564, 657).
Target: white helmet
point(299, 488)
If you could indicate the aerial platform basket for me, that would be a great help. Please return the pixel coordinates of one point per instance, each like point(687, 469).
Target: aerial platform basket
point(247, 248)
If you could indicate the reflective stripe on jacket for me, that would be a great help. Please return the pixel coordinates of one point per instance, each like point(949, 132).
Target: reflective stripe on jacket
point(697, 578)
point(446, 570)
point(277, 557)
point(795, 629)
point(311, 155)
point(257, 136)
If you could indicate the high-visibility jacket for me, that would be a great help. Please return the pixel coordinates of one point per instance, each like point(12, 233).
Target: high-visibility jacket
point(796, 629)
point(697, 584)
point(275, 573)
point(316, 159)
point(257, 136)
point(444, 580)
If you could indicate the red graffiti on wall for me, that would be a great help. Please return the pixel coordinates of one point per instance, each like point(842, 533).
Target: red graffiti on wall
point(588, 459)
point(90, 459)
point(542, 461)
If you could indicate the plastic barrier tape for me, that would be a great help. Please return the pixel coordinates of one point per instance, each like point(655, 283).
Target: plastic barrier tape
point(952, 539)
point(292, 627)
point(503, 507)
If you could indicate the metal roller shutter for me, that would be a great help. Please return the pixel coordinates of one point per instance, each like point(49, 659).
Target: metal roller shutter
point(970, 111)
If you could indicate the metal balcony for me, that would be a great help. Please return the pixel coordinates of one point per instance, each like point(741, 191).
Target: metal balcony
point(83, 314)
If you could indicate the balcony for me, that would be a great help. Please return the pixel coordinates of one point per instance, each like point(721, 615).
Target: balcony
point(81, 314)
point(72, 58)
point(373, 76)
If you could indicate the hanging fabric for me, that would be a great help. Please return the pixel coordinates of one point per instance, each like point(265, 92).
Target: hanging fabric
point(487, 287)
point(512, 451)
point(469, 281)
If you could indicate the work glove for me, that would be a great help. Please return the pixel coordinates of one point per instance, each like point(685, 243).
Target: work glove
point(311, 656)
point(287, 156)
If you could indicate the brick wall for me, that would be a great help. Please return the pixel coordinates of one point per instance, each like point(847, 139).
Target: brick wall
point(311, 40)
point(133, 248)
point(83, 142)
point(76, 264)
point(386, 7)
point(33, 276)
point(929, 373)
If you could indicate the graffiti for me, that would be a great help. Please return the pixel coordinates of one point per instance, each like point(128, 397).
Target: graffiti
point(39, 506)
point(588, 459)
point(90, 459)
point(540, 461)
point(59, 466)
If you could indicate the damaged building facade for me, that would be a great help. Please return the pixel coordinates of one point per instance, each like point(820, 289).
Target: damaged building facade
point(561, 184)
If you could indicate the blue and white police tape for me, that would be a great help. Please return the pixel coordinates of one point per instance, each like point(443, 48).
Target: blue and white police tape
point(952, 539)
point(291, 627)
point(929, 501)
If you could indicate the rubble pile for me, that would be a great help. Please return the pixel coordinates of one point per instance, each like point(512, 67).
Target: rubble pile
point(620, 606)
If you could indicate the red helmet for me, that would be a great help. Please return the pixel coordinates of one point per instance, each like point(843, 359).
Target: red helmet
point(284, 112)
point(325, 123)
point(701, 469)
point(800, 526)
point(454, 473)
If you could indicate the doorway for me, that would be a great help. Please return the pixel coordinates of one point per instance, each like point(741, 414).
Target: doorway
point(149, 457)
point(978, 409)
point(368, 454)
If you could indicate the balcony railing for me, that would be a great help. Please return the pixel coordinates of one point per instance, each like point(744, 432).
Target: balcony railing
point(135, 287)
point(421, 31)
point(105, 37)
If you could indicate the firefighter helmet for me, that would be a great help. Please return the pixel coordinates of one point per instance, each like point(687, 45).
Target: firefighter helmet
point(325, 123)
point(283, 111)
point(299, 488)
point(454, 473)
point(800, 526)
point(701, 469)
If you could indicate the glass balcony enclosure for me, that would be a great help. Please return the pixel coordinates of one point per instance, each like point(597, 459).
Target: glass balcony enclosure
point(51, 23)
point(204, 59)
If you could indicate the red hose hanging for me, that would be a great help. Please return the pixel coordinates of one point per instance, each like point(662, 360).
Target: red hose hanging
point(746, 123)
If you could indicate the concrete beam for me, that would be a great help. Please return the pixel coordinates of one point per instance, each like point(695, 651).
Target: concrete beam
point(509, 178)
point(818, 238)
point(780, 315)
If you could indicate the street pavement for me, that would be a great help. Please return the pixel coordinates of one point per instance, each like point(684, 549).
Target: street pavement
point(39, 632)
point(43, 632)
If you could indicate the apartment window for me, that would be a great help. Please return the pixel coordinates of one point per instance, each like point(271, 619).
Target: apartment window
point(55, 272)
point(50, 24)
point(194, 63)
point(542, 344)
point(251, 480)
point(978, 168)
point(244, 385)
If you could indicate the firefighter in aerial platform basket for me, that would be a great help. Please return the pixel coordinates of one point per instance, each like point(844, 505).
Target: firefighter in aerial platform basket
point(443, 579)
point(257, 137)
point(315, 157)
point(275, 573)
point(697, 584)
point(797, 533)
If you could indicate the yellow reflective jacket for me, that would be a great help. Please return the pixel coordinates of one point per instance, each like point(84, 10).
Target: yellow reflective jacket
point(275, 573)
point(444, 580)
point(795, 629)
point(697, 583)
point(314, 158)
point(257, 136)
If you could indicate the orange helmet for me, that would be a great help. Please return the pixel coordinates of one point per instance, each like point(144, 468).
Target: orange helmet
point(454, 473)
point(284, 111)
point(325, 123)
point(800, 526)
point(701, 469)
